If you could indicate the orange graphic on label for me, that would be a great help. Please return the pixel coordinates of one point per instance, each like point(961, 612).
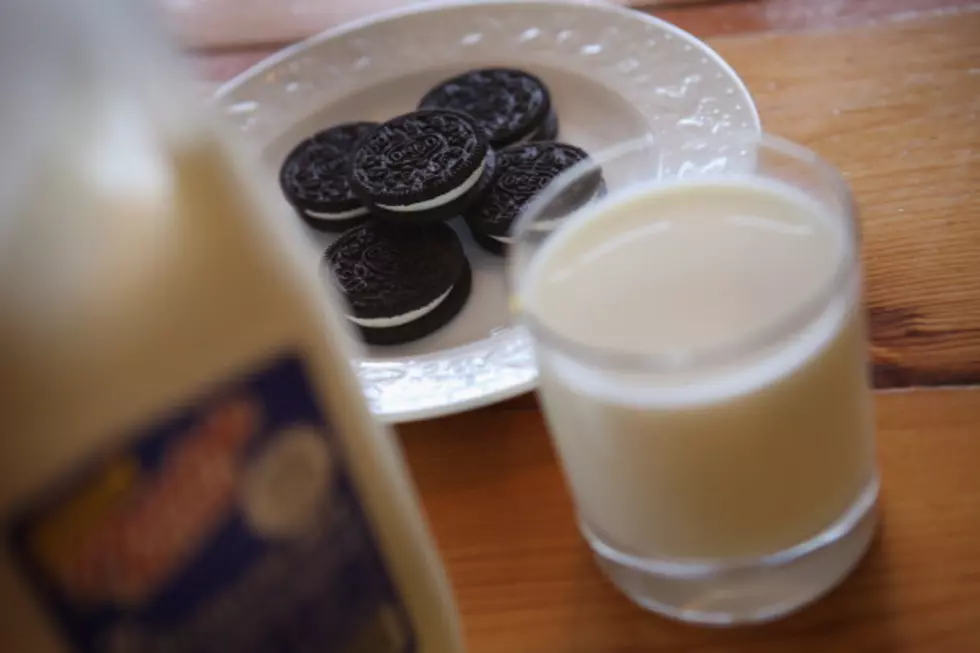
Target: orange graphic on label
point(126, 553)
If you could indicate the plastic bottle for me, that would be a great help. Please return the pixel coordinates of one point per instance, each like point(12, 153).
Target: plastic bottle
point(186, 461)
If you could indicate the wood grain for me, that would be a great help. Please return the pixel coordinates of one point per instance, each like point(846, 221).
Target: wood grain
point(526, 582)
point(230, 24)
point(897, 108)
point(227, 41)
point(726, 17)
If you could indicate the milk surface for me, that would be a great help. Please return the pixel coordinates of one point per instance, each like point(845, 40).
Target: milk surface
point(766, 441)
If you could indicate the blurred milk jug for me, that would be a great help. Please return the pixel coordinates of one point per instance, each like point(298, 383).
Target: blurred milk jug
point(187, 463)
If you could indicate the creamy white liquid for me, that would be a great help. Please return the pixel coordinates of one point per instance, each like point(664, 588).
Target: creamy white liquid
point(746, 457)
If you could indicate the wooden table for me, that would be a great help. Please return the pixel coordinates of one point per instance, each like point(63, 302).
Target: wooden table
point(888, 90)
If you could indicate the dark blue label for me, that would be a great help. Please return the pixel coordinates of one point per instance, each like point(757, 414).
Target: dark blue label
point(232, 526)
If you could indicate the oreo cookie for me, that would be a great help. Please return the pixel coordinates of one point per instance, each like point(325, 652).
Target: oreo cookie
point(422, 167)
point(510, 105)
point(400, 283)
point(314, 178)
point(524, 170)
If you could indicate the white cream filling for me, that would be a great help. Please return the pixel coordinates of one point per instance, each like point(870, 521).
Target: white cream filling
point(536, 135)
point(343, 215)
point(443, 199)
point(503, 239)
point(545, 225)
point(404, 318)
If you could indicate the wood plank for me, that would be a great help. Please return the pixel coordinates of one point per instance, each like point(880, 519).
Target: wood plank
point(727, 17)
point(229, 41)
point(525, 581)
point(897, 108)
point(248, 23)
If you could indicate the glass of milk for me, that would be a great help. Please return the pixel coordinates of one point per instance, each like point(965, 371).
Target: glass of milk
point(703, 371)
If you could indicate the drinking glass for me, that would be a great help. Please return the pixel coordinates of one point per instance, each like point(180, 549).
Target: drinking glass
point(727, 484)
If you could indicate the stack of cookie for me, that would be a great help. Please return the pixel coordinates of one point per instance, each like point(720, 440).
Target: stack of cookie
point(479, 147)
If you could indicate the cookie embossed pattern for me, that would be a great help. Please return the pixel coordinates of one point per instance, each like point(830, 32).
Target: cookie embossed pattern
point(313, 182)
point(524, 170)
point(614, 75)
point(512, 106)
point(422, 167)
point(401, 284)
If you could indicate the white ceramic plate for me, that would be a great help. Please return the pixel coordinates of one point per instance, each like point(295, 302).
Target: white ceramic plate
point(614, 74)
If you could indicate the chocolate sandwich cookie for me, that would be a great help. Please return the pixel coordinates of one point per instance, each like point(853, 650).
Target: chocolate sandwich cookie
point(314, 178)
point(524, 170)
point(422, 167)
point(400, 283)
point(511, 106)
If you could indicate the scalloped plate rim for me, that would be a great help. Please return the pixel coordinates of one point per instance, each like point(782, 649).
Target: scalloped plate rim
point(331, 33)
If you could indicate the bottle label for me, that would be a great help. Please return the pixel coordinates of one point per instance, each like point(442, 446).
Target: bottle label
point(231, 526)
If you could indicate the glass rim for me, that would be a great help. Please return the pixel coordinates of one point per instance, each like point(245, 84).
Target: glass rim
point(773, 332)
